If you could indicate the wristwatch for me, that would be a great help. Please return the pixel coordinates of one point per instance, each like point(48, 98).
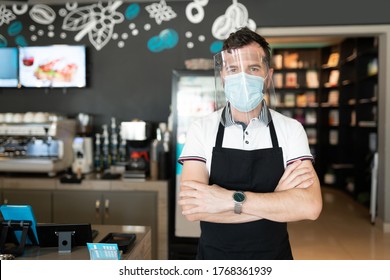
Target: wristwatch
point(239, 198)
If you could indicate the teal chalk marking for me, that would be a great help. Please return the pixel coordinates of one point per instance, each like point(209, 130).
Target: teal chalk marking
point(15, 28)
point(132, 11)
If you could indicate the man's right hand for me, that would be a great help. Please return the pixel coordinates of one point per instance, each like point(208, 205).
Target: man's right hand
point(296, 176)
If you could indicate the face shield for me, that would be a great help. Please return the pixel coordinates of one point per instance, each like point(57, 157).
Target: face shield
point(243, 80)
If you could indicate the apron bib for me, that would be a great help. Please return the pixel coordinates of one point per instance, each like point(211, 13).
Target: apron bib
point(255, 171)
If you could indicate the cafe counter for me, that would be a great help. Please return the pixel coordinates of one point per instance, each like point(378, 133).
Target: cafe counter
point(94, 201)
point(140, 250)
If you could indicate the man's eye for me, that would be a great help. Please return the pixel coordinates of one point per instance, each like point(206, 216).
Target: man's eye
point(255, 69)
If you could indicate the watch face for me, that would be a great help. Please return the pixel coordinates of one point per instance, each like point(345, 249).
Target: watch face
point(239, 196)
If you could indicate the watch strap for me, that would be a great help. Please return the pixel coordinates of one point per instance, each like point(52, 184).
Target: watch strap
point(237, 207)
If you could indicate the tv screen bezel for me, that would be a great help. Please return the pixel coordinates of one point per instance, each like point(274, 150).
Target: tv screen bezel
point(17, 68)
point(84, 47)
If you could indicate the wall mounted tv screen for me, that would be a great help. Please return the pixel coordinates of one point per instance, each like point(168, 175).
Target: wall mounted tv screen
point(56, 66)
point(8, 67)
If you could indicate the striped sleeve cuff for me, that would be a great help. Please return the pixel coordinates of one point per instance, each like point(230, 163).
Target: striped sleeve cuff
point(181, 160)
point(309, 157)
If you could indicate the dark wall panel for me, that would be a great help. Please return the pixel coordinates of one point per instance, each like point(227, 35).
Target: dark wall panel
point(132, 81)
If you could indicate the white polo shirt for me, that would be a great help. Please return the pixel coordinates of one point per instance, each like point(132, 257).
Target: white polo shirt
point(202, 134)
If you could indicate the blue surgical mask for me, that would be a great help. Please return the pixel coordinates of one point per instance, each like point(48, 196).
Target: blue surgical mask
point(244, 91)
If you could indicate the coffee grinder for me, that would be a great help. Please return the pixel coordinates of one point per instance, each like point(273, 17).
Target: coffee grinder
point(83, 146)
point(137, 135)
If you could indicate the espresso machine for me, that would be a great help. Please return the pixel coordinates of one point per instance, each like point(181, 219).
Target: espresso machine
point(36, 143)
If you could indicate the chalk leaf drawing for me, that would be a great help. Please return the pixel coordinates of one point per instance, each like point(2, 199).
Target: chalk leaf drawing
point(6, 16)
point(160, 12)
point(96, 20)
point(236, 16)
point(42, 14)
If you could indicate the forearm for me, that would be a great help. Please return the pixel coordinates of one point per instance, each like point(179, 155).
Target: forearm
point(285, 206)
point(222, 217)
point(297, 197)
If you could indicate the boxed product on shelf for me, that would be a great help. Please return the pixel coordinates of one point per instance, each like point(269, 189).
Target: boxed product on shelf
point(333, 59)
point(312, 79)
point(289, 99)
point(333, 137)
point(311, 117)
point(333, 78)
point(334, 117)
point(291, 60)
point(292, 80)
point(311, 98)
point(301, 100)
point(278, 80)
point(311, 135)
point(333, 97)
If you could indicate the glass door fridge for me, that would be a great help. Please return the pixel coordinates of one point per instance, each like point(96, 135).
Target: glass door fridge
point(193, 96)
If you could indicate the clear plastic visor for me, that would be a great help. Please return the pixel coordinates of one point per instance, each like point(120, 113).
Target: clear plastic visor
point(243, 79)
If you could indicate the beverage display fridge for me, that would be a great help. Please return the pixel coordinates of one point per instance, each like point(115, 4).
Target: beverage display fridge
point(193, 96)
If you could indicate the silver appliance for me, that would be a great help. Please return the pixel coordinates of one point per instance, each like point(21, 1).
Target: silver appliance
point(82, 155)
point(38, 147)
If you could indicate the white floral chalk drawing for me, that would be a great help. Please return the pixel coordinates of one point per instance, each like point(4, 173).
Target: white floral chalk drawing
point(160, 12)
point(236, 16)
point(96, 20)
point(19, 11)
point(196, 6)
point(42, 14)
point(71, 6)
point(6, 16)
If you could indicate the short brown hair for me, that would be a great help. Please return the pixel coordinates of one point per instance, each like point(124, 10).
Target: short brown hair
point(244, 36)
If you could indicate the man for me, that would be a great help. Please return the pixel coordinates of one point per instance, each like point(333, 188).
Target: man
point(247, 170)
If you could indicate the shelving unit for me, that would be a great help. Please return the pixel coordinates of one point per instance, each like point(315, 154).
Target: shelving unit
point(362, 54)
point(343, 129)
point(296, 81)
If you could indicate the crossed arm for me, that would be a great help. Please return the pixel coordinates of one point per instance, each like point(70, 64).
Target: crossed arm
point(296, 197)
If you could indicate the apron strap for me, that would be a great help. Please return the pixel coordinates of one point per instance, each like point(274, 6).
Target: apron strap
point(220, 133)
point(272, 131)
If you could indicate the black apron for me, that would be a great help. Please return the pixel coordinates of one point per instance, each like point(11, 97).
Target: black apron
point(255, 171)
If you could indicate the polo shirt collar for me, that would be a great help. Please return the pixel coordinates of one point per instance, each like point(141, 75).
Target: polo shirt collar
point(264, 116)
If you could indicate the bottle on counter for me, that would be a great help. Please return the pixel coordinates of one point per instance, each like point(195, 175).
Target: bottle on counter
point(114, 142)
point(162, 151)
point(97, 154)
point(105, 149)
point(154, 160)
point(122, 148)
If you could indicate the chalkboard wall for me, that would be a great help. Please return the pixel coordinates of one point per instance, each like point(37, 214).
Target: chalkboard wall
point(129, 76)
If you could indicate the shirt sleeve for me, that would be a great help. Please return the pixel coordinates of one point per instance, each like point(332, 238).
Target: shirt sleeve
point(298, 144)
point(194, 146)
